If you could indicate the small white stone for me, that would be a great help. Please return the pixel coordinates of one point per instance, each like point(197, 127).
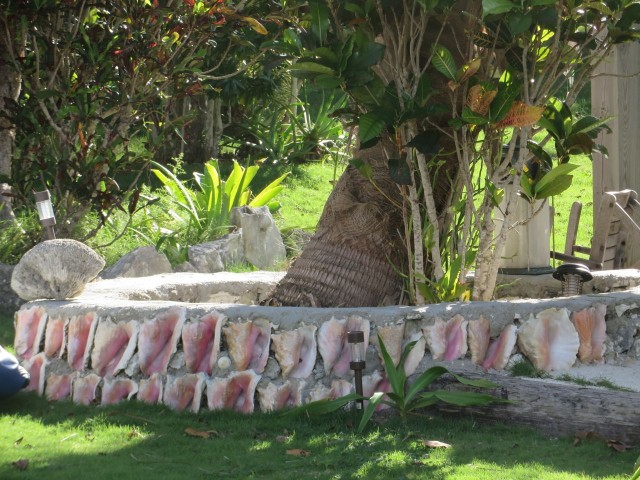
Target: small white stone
point(224, 363)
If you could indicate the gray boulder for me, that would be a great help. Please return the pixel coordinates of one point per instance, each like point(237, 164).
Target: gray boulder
point(9, 301)
point(263, 245)
point(55, 269)
point(212, 257)
point(141, 262)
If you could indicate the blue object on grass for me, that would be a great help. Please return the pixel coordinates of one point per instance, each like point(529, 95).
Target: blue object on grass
point(12, 376)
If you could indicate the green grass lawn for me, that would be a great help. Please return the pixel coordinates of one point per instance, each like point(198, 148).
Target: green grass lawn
point(133, 441)
point(581, 190)
point(306, 191)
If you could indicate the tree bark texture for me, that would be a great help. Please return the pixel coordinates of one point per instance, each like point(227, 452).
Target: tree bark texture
point(9, 91)
point(357, 251)
point(554, 408)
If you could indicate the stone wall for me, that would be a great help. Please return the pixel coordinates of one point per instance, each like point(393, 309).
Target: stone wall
point(121, 340)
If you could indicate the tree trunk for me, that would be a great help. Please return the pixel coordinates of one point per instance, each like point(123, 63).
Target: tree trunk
point(9, 91)
point(357, 251)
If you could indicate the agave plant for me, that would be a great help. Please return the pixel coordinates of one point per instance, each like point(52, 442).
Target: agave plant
point(406, 397)
point(636, 475)
point(205, 211)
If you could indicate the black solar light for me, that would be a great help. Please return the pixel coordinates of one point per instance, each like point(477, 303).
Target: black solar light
point(45, 213)
point(357, 364)
point(572, 276)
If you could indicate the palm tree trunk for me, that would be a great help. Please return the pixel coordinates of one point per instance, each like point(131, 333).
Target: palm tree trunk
point(357, 251)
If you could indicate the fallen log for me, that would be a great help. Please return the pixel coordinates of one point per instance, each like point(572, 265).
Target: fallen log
point(553, 407)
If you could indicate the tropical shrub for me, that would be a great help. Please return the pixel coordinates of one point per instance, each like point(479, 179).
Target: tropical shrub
point(95, 78)
point(202, 210)
point(450, 83)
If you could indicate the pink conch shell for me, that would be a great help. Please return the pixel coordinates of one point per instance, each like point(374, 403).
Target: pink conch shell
point(296, 351)
point(376, 382)
point(276, 397)
point(549, 340)
point(55, 337)
point(500, 349)
point(249, 344)
point(36, 367)
point(115, 390)
point(80, 339)
point(416, 354)
point(150, 389)
point(479, 336)
point(30, 324)
point(447, 341)
point(392, 336)
point(233, 393)
point(339, 388)
point(158, 340)
point(184, 392)
point(333, 346)
point(59, 386)
point(84, 389)
point(592, 331)
point(201, 342)
point(113, 346)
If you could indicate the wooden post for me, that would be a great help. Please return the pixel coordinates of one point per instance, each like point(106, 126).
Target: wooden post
point(615, 91)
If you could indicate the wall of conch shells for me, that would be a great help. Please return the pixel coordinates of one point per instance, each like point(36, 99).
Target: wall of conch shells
point(196, 356)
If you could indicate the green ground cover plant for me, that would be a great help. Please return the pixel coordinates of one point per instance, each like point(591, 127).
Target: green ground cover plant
point(132, 440)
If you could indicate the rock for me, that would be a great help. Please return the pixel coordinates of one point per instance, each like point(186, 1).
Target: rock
point(212, 257)
point(184, 267)
point(141, 262)
point(9, 301)
point(263, 245)
point(622, 331)
point(55, 269)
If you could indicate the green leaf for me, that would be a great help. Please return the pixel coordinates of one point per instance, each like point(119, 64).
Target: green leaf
point(526, 188)
point(473, 118)
point(365, 55)
point(395, 374)
point(519, 23)
point(370, 126)
point(480, 383)
point(319, 12)
point(270, 191)
point(540, 153)
point(426, 142)
point(444, 62)
point(559, 185)
point(588, 124)
point(554, 174)
point(374, 401)
point(424, 380)
point(399, 171)
point(507, 92)
point(428, 5)
point(325, 53)
point(424, 90)
point(363, 167)
point(291, 37)
point(312, 67)
point(496, 7)
point(353, 7)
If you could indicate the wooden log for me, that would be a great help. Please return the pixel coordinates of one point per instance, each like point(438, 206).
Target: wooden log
point(555, 408)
